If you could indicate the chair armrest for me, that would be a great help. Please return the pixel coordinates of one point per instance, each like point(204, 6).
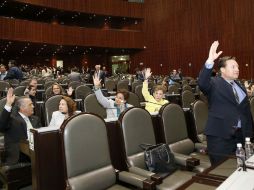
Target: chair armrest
point(150, 175)
point(136, 180)
point(201, 148)
point(186, 161)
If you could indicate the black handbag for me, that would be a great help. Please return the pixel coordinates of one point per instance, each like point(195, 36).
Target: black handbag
point(159, 159)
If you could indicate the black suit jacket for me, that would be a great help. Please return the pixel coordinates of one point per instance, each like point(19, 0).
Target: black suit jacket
point(14, 128)
point(224, 111)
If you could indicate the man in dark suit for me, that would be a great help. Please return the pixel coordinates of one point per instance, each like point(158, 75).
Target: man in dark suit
point(99, 73)
point(229, 118)
point(15, 124)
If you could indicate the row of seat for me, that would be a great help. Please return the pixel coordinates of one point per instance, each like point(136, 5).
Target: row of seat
point(137, 127)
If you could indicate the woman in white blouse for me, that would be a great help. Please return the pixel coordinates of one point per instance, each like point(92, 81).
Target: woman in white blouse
point(67, 108)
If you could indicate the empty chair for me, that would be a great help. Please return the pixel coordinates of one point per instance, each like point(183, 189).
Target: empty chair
point(48, 92)
point(51, 105)
point(133, 99)
point(176, 135)
point(92, 105)
point(186, 87)
point(134, 84)
point(173, 89)
point(82, 91)
point(48, 84)
point(75, 84)
point(137, 127)
point(187, 98)
point(4, 86)
point(24, 83)
point(19, 91)
point(200, 115)
point(110, 84)
point(123, 84)
point(87, 159)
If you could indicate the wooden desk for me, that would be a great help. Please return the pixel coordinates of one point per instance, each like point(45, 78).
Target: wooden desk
point(47, 159)
point(200, 183)
point(220, 172)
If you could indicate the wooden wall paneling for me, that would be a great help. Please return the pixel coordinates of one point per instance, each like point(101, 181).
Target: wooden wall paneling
point(105, 7)
point(69, 35)
point(181, 32)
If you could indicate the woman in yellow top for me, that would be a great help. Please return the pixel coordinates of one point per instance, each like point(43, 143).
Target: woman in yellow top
point(153, 103)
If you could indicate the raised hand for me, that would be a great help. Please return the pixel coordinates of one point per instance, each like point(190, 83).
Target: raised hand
point(96, 81)
point(10, 98)
point(70, 91)
point(212, 53)
point(148, 73)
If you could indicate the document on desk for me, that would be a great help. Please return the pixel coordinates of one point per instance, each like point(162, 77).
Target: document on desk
point(239, 180)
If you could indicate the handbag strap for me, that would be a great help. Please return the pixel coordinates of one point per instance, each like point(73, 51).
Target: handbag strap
point(145, 146)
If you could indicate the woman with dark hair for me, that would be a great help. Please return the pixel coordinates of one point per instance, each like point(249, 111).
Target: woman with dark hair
point(113, 108)
point(67, 108)
point(30, 92)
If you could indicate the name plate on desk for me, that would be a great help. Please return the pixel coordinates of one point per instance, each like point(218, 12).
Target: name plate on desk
point(239, 180)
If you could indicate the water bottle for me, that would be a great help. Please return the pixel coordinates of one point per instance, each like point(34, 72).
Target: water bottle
point(240, 154)
point(248, 148)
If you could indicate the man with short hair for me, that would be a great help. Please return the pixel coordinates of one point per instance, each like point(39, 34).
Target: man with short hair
point(15, 125)
point(229, 118)
point(14, 72)
point(3, 72)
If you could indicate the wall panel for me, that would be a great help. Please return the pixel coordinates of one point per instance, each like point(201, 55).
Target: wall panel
point(179, 32)
point(15, 29)
point(105, 7)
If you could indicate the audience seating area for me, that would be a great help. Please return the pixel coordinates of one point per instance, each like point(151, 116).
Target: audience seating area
point(110, 156)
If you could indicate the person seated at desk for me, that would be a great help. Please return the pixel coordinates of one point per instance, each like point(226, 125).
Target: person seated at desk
point(153, 103)
point(67, 108)
point(58, 90)
point(16, 125)
point(113, 108)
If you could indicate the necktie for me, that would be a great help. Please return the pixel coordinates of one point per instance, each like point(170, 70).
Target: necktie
point(28, 127)
point(235, 93)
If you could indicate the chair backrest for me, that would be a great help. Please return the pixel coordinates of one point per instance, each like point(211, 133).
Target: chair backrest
point(92, 105)
point(82, 91)
point(110, 84)
point(123, 84)
point(187, 98)
point(138, 91)
point(252, 107)
point(4, 85)
point(75, 84)
point(137, 127)
point(19, 91)
point(86, 152)
point(173, 89)
point(186, 87)
point(51, 105)
point(2, 104)
point(24, 83)
point(200, 114)
point(48, 92)
point(133, 99)
point(48, 84)
point(134, 84)
point(175, 129)
point(14, 81)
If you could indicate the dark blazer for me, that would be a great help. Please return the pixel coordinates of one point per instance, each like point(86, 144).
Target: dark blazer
point(224, 111)
point(14, 128)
